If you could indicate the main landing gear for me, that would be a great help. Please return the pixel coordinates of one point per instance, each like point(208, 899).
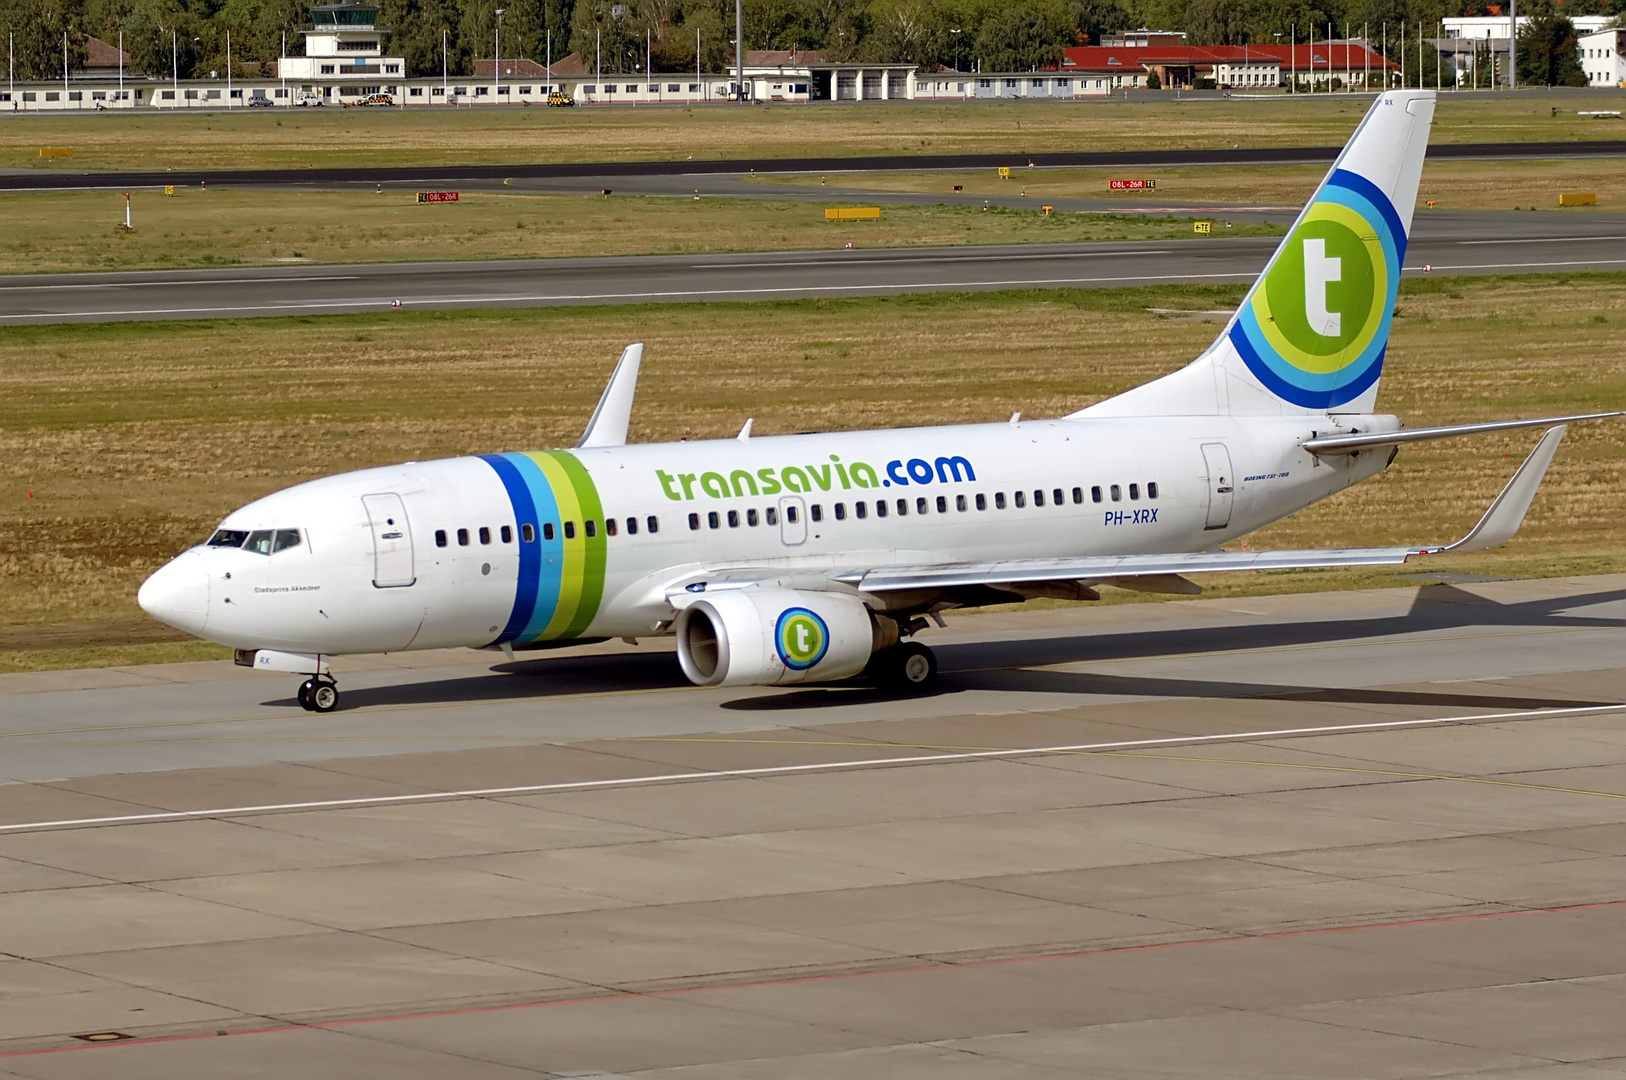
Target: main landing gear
point(319, 693)
point(907, 667)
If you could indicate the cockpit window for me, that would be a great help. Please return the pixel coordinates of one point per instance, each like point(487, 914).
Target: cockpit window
point(259, 541)
point(228, 538)
point(285, 538)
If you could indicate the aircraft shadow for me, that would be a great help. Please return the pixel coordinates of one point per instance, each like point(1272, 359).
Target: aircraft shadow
point(1007, 666)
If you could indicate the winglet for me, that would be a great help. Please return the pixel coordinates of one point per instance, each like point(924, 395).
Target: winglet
point(1506, 514)
point(608, 427)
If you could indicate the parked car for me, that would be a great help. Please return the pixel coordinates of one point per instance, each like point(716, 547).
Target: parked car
point(310, 98)
point(259, 101)
point(560, 100)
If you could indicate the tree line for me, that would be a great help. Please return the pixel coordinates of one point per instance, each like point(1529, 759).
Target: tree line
point(190, 36)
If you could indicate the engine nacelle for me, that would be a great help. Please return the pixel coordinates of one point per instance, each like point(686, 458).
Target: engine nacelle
point(776, 637)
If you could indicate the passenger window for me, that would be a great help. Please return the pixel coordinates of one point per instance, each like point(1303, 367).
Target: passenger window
point(711, 519)
point(485, 534)
point(1095, 493)
point(790, 514)
point(259, 542)
point(1134, 492)
point(609, 527)
point(1151, 490)
point(632, 526)
point(1059, 497)
point(1078, 496)
point(1021, 500)
point(772, 515)
point(861, 510)
point(694, 521)
point(733, 519)
point(880, 508)
point(653, 523)
point(286, 538)
point(1117, 493)
point(751, 518)
point(507, 535)
point(959, 503)
point(920, 505)
point(903, 507)
point(440, 537)
point(841, 512)
point(942, 504)
point(982, 501)
point(527, 533)
point(228, 538)
point(1038, 498)
point(570, 530)
point(816, 512)
point(547, 530)
point(999, 500)
point(462, 538)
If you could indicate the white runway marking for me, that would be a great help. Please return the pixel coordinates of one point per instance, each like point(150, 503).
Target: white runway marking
point(782, 770)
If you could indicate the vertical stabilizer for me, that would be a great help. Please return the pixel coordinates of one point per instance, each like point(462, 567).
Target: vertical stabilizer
point(1310, 336)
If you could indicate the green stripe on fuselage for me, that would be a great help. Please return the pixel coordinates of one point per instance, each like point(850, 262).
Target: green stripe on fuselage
point(581, 588)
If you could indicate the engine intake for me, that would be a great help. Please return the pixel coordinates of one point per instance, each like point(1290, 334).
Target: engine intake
point(776, 637)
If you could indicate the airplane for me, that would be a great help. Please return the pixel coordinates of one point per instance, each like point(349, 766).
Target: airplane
point(819, 557)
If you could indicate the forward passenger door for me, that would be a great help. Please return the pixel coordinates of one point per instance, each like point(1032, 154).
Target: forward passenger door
point(392, 541)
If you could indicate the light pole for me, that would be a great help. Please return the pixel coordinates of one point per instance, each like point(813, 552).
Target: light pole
point(739, 44)
point(496, 70)
point(228, 69)
point(174, 64)
point(444, 100)
point(955, 37)
point(1513, 45)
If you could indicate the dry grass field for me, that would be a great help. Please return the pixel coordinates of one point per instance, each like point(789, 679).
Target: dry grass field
point(66, 231)
point(1453, 185)
point(121, 444)
point(303, 138)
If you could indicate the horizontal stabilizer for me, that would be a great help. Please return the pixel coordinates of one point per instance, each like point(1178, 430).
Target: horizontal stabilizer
point(1348, 444)
point(608, 427)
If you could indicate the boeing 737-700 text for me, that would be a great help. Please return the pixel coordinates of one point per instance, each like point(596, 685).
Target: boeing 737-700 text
point(810, 558)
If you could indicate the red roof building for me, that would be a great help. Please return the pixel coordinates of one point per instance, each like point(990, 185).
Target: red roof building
point(1228, 66)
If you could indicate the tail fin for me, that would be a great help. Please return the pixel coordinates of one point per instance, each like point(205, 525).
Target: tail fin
point(1310, 335)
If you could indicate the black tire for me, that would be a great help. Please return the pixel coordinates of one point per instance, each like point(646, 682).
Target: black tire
point(907, 668)
point(324, 697)
point(305, 694)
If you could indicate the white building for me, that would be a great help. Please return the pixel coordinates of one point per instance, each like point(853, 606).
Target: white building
point(344, 56)
point(1603, 57)
point(1495, 27)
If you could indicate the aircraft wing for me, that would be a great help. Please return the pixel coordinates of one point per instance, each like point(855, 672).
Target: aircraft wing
point(1498, 524)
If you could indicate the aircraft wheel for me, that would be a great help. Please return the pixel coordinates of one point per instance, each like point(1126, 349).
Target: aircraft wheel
point(909, 668)
point(305, 689)
point(324, 697)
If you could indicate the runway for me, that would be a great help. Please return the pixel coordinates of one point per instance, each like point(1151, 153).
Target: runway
point(64, 180)
point(1445, 242)
point(1359, 834)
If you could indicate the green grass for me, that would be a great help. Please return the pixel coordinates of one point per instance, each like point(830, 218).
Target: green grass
point(211, 227)
point(122, 443)
point(308, 138)
point(1451, 184)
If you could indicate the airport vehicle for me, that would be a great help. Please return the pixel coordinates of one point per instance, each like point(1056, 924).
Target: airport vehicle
point(819, 557)
point(558, 99)
point(309, 98)
point(376, 99)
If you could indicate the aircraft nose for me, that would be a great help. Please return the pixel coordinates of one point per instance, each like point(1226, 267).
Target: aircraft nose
point(178, 593)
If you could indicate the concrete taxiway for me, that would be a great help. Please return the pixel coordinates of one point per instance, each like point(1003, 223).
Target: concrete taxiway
point(1443, 242)
point(1366, 835)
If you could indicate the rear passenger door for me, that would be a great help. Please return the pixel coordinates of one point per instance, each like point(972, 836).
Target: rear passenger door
point(392, 541)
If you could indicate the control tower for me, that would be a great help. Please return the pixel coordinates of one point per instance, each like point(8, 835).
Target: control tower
point(344, 57)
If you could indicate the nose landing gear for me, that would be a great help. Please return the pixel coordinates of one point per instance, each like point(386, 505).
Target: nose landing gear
point(319, 693)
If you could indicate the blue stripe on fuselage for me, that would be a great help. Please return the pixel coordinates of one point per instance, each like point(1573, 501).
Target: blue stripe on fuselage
point(530, 555)
point(550, 554)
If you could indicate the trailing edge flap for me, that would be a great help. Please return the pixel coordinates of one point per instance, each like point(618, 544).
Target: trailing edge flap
point(1349, 444)
point(1498, 524)
point(608, 427)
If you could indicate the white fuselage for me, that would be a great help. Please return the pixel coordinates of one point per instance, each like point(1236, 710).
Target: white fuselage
point(530, 549)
